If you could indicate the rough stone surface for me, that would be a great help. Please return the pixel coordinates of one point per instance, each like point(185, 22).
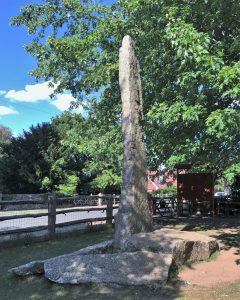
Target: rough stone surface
point(32, 268)
point(193, 251)
point(136, 268)
point(185, 246)
point(133, 214)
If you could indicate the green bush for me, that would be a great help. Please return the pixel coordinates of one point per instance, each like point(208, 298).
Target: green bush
point(169, 190)
point(69, 187)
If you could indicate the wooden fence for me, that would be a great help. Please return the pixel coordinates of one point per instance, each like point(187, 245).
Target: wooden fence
point(58, 206)
point(160, 207)
point(168, 206)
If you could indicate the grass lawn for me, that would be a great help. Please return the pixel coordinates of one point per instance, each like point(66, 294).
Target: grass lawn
point(37, 287)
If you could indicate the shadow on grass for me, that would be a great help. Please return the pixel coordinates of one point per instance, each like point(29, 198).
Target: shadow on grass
point(229, 240)
point(201, 223)
point(37, 287)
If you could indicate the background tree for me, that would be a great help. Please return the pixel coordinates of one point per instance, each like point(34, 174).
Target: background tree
point(69, 162)
point(5, 135)
point(39, 161)
point(72, 154)
point(102, 143)
point(97, 143)
point(25, 165)
point(5, 139)
point(189, 56)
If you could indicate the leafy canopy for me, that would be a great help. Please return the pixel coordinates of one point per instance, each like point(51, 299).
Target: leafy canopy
point(189, 55)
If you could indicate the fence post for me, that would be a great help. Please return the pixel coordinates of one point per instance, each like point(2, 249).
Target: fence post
point(227, 210)
point(100, 199)
point(51, 216)
point(172, 205)
point(109, 211)
point(178, 207)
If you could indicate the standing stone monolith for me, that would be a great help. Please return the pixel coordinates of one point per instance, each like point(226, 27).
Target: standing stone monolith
point(133, 215)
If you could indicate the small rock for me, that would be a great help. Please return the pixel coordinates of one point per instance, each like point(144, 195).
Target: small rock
point(32, 268)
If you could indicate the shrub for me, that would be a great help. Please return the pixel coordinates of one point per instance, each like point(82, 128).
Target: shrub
point(169, 190)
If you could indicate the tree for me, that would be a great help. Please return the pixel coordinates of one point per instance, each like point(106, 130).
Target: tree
point(96, 144)
point(24, 163)
point(103, 147)
point(72, 154)
point(44, 160)
point(68, 165)
point(189, 56)
point(5, 135)
point(5, 139)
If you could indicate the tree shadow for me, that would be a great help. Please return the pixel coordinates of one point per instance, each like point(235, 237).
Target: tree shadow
point(195, 223)
point(228, 241)
point(226, 230)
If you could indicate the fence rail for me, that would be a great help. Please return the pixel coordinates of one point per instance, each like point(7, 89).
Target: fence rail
point(12, 202)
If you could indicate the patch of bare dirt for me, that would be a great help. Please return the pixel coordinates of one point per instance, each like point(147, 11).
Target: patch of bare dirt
point(225, 268)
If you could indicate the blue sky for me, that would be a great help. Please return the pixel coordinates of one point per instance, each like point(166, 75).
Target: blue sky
point(23, 102)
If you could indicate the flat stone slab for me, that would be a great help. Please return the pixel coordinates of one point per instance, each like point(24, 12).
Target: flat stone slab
point(136, 268)
point(163, 240)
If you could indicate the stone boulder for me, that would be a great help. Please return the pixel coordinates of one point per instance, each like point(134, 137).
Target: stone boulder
point(193, 251)
point(136, 268)
point(184, 246)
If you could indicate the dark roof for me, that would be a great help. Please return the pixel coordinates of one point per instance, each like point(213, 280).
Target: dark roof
point(183, 166)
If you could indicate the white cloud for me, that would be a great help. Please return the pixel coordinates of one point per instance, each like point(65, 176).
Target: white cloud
point(31, 93)
point(64, 101)
point(40, 92)
point(4, 110)
point(2, 92)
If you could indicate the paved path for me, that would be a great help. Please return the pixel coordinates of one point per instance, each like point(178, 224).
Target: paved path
point(43, 221)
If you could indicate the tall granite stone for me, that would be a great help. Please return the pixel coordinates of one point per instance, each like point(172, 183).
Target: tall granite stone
point(133, 215)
